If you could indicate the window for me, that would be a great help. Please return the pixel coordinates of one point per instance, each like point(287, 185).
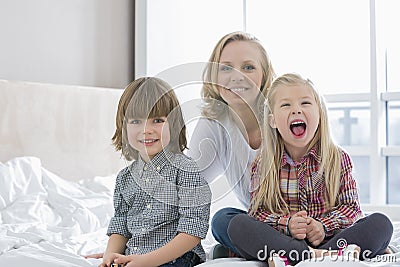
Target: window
point(394, 123)
point(180, 32)
point(387, 21)
point(394, 181)
point(318, 39)
point(351, 54)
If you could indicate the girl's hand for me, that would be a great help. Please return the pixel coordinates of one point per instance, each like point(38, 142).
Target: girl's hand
point(315, 232)
point(298, 225)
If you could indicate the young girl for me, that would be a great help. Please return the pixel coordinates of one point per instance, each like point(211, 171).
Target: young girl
point(226, 140)
point(304, 197)
point(161, 200)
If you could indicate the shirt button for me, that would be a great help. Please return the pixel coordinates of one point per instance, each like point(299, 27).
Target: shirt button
point(145, 168)
point(158, 168)
point(143, 230)
point(148, 206)
point(134, 248)
point(147, 179)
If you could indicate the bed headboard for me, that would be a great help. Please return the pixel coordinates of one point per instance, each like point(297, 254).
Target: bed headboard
point(68, 127)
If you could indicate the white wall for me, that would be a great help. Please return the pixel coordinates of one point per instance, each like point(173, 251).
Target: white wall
point(77, 42)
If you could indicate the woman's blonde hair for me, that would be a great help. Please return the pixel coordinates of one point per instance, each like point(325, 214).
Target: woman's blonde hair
point(268, 194)
point(214, 105)
point(144, 98)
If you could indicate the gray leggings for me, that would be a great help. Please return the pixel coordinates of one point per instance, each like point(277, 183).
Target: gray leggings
point(255, 240)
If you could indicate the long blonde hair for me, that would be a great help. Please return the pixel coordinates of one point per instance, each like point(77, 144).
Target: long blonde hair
point(268, 195)
point(214, 105)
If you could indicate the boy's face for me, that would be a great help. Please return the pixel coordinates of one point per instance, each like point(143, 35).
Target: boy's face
point(148, 136)
point(296, 116)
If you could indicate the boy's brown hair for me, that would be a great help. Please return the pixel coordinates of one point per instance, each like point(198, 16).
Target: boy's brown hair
point(144, 98)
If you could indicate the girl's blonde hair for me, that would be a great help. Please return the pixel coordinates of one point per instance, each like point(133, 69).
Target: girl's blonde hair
point(144, 98)
point(214, 105)
point(268, 194)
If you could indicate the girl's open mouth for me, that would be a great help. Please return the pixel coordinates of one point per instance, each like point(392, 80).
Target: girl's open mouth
point(298, 128)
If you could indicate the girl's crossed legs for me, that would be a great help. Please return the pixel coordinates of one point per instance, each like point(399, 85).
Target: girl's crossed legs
point(256, 240)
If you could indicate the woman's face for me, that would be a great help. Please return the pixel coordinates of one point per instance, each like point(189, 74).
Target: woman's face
point(240, 73)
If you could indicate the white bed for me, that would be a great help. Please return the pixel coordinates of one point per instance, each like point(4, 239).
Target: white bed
point(57, 172)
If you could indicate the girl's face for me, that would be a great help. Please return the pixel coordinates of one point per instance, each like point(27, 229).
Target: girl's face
point(148, 137)
point(240, 73)
point(295, 116)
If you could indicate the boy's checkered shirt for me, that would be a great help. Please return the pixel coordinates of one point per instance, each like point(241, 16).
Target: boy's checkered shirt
point(155, 201)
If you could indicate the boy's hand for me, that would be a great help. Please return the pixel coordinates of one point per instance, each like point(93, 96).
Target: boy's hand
point(109, 259)
point(94, 256)
point(132, 261)
point(315, 232)
point(298, 225)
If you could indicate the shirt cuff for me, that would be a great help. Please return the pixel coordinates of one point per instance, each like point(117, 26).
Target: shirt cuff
point(194, 227)
point(118, 226)
point(329, 226)
point(283, 225)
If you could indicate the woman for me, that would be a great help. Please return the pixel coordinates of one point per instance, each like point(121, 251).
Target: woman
point(226, 140)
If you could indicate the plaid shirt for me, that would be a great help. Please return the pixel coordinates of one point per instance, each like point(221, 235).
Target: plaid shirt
point(303, 189)
point(155, 201)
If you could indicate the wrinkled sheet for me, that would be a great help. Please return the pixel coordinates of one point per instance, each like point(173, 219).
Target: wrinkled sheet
point(48, 221)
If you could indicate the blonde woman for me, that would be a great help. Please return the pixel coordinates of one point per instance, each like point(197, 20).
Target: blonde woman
point(227, 138)
point(304, 196)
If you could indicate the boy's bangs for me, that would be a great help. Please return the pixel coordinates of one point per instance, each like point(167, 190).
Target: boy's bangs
point(146, 106)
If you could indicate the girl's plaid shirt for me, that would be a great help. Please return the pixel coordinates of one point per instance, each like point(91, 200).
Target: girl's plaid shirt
point(303, 189)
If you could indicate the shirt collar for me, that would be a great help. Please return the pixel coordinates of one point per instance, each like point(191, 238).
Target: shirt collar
point(312, 154)
point(157, 162)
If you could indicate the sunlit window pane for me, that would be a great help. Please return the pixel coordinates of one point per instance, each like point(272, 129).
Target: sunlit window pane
point(394, 180)
point(327, 41)
point(350, 123)
point(361, 173)
point(180, 31)
point(394, 123)
point(388, 19)
point(337, 128)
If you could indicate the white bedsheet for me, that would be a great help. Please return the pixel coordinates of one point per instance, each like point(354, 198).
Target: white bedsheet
point(46, 221)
